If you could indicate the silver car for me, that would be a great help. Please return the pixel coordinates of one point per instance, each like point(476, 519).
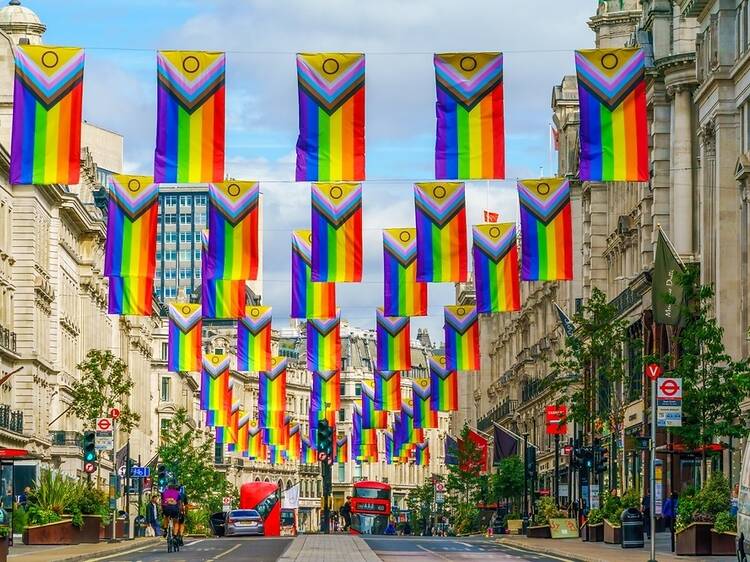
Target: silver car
point(243, 522)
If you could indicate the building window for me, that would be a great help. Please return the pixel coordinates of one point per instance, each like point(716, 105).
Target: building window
point(200, 200)
point(197, 255)
point(358, 389)
point(186, 237)
point(170, 292)
point(158, 255)
point(170, 200)
point(342, 414)
point(165, 389)
point(342, 472)
point(342, 389)
point(164, 424)
point(184, 255)
point(200, 218)
point(170, 237)
point(170, 218)
point(197, 273)
point(185, 200)
point(197, 237)
point(164, 350)
point(186, 218)
point(170, 273)
point(185, 273)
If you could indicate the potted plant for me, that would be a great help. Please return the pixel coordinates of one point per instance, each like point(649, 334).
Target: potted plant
point(54, 516)
point(94, 511)
point(4, 532)
point(696, 513)
point(593, 529)
point(611, 510)
point(546, 510)
point(724, 535)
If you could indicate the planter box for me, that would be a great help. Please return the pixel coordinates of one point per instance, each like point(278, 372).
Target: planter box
point(61, 532)
point(593, 533)
point(612, 534)
point(541, 532)
point(694, 540)
point(3, 549)
point(91, 529)
point(105, 531)
point(723, 544)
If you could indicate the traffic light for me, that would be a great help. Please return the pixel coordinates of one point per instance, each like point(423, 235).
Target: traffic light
point(530, 462)
point(588, 458)
point(325, 440)
point(600, 466)
point(89, 452)
point(161, 476)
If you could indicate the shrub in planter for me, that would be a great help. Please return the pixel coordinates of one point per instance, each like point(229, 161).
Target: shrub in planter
point(545, 510)
point(594, 529)
point(724, 535)
point(4, 532)
point(611, 509)
point(20, 519)
point(595, 517)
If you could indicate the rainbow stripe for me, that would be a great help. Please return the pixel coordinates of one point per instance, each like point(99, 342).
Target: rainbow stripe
point(326, 391)
point(47, 101)
point(546, 230)
point(443, 386)
point(309, 299)
point(254, 339)
point(309, 454)
point(371, 417)
point(441, 232)
point(256, 449)
point(276, 455)
point(461, 338)
point(272, 394)
point(424, 416)
point(295, 444)
point(215, 383)
point(277, 437)
point(422, 454)
point(243, 436)
point(131, 296)
point(388, 391)
point(324, 343)
point(233, 209)
point(470, 122)
point(342, 449)
point(403, 295)
point(190, 117)
point(388, 438)
point(131, 227)
point(331, 143)
point(185, 337)
point(496, 281)
point(221, 298)
point(393, 342)
point(612, 100)
point(337, 232)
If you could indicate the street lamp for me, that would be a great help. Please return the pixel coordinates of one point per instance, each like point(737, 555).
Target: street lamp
point(525, 483)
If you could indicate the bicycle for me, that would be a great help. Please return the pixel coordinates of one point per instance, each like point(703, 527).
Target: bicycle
point(173, 542)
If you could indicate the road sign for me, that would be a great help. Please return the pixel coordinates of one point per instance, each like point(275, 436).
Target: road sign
point(669, 389)
point(121, 471)
point(114, 413)
point(140, 472)
point(104, 441)
point(103, 424)
point(89, 467)
point(439, 488)
point(226, 504)
point(669, 403)
point(439, 498)
point(555, 418)
point(654, 371)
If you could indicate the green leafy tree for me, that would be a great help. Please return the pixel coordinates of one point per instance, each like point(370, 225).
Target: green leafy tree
point(713, 384)
point(507, 482)
point(465, 485)
point(104, 384)
point(419, 500)
point(188, 454)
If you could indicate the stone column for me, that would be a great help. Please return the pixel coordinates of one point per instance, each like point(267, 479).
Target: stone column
point(681, 158)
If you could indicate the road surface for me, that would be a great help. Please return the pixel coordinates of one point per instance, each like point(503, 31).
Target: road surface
point(413, 549)
point(257, 549)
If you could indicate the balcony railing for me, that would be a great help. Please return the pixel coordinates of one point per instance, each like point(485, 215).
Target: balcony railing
point(65, 438)
point(7, 339)
point(534, 387)
point(497, 413)
point(12, 420)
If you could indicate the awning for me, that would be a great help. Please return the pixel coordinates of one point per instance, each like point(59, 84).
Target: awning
point(6, 453)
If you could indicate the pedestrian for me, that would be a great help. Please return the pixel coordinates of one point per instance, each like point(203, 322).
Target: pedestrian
point(346, 513)
point(23, 497)
point(152, 515)
point(407, 529)
point(669, 512)
point(646, 513)
point(390, 528)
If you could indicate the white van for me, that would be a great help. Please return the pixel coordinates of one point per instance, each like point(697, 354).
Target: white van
point(743, 507)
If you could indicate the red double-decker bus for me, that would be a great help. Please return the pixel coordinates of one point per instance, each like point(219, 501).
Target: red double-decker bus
point(263, 497)
point(371, 507)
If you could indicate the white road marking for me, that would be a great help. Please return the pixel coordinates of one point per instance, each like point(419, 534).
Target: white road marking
point(120, 553)
point(532, 552)
point(464, 543)
point(433, 553)
point(235, 547)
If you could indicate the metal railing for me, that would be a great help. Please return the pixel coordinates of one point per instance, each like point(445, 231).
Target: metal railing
point(504, 409)
point(12, 420)
point(7, 339)
point(65, 438)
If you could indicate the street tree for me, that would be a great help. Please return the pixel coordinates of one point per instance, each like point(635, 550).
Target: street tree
point(419, 500)
point(104, 384)
point(464, 484)
point(188, 454)
point(713, 384)
point(507, 482)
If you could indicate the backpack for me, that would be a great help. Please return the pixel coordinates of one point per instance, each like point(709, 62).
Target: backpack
point(170, 497)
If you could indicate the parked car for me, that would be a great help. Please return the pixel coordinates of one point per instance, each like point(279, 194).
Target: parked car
point(217, 522)
point(243, 522)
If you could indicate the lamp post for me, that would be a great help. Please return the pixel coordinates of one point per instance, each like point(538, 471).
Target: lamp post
point(525, 484)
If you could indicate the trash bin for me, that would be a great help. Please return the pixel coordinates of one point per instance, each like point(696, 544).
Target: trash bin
point(632, 528)
point(140, 526)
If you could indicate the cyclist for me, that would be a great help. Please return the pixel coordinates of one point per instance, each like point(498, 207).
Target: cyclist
point(171, 507)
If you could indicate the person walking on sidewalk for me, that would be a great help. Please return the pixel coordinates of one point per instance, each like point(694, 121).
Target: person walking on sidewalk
point(669, 511)
point(646, 513)
point(152, 516)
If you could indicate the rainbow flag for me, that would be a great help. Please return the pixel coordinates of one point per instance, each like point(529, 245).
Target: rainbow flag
point(326, 391)
point(331, 143)
point(389, 448)
point(424, 416)
point(254, 339)
point(388, 391)
point(470, 122)
point(371, 417)
point(309, 454)
point(612, 100)
point(337, 232)
point(441, 232)
point(403, 294)
point(47, 98)
point(496, 281)
point(324, 343)
point(131, 296)
point(221, 298)
point(422, 454)
point(190, 117)
point(342, 449)
point(443, 386)
point(131, 227)
point(233, 209)
point(278, 436)
point(185, 337)
point(546, 230)
point(295, 444)
point(272, 394)
point(461, 338)
point(276, 455)
point(243, 436)
point(393, 342)
point(309, 299)
point(256, 449)
point(364, 442)
point(227, 433)
point(214, 382)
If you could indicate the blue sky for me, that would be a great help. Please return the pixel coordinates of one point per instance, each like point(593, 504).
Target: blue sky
point(261, 36)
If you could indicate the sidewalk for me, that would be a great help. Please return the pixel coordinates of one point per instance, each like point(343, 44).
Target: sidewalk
point(75, 552)
point(328, 548)
point(600, 552)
